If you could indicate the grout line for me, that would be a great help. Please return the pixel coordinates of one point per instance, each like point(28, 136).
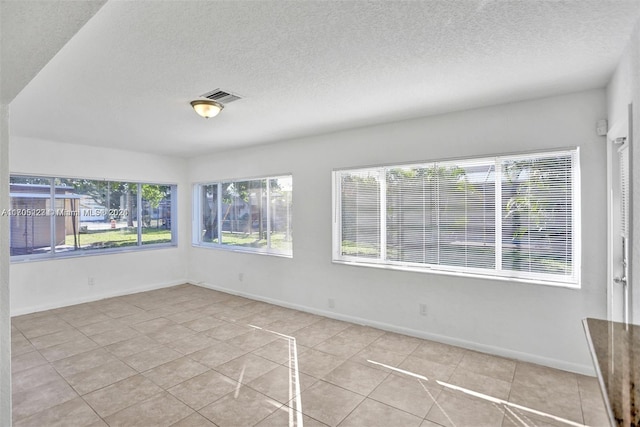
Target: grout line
point(247, 312)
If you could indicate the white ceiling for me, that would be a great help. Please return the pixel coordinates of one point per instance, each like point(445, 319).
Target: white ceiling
point(31, 33)
point(126, 78)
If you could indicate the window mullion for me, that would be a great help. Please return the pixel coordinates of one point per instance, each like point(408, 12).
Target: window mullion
point(196, 216)
point(337, 217)
point(498, 214)
point(243, 202)
point(52, 218)
point(437, 209)
point(383, 214)
point(576, 240)
point(173, 209)
point(268, 208)
point(524, 237)
point(219, 214)
point(139, 213)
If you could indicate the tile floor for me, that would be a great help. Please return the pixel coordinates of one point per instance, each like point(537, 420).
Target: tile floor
point(189, 356)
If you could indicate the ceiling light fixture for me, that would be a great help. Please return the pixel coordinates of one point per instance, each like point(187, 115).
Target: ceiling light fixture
point(207, 108)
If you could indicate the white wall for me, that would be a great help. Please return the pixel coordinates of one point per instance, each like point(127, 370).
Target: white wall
point(624, 89)
point(5, 320)
point(530, 322)
point(40, 285)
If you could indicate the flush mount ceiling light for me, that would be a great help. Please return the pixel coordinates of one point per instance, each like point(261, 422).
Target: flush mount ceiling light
point(207, 108)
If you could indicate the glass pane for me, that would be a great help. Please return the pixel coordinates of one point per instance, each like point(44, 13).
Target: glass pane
point(466, 214)
point(244, 219)
point(412, 229)
point(80, 205)
point(97, 214)
point(123, 214)
point(257, 225)
point(156, 214)
point(442, 214)
point(360, 201)
point(537, 234)
point(281, 205)
point(209, 205)
point(30, 215)
point(86, 214)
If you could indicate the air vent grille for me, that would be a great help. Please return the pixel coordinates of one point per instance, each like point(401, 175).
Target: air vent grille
point(221, 96)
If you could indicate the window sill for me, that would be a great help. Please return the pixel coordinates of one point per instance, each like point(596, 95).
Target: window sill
point(428, 270)
point(228, 248)
point(18, 259)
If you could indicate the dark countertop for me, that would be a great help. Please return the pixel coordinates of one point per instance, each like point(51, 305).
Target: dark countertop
point(615, 349)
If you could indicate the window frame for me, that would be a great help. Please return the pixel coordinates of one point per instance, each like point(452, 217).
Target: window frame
point(573, 281)
point(197, 220)
point(139, 246)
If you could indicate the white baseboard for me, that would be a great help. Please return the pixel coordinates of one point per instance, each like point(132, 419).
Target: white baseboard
point(471, 345)
point(81, 300)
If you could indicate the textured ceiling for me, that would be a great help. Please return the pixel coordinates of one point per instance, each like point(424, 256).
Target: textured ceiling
point(125, 80)
point(31, 33)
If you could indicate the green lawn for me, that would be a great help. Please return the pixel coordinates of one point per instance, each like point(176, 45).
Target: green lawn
point(483, 257)
point(278, 240)
point(120, 238)
point(351, 248)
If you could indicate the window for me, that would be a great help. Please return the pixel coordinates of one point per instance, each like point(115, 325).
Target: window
point(509, 216)
point(72, 216)
point(249, 215)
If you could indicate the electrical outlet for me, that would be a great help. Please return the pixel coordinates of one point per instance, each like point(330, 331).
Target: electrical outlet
point(422, 309)
point(91, 281)
point(332, 303)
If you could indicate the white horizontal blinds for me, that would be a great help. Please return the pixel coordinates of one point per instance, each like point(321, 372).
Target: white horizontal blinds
point(360, 213)
point(280, 218)
point(412, 214)
point(537, 215)
point(623, 155)
point(508, 216)
point(442, 214)
point(466, 213)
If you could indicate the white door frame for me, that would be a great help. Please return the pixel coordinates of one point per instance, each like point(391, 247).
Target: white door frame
point(619, 277)
point(617, 303)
